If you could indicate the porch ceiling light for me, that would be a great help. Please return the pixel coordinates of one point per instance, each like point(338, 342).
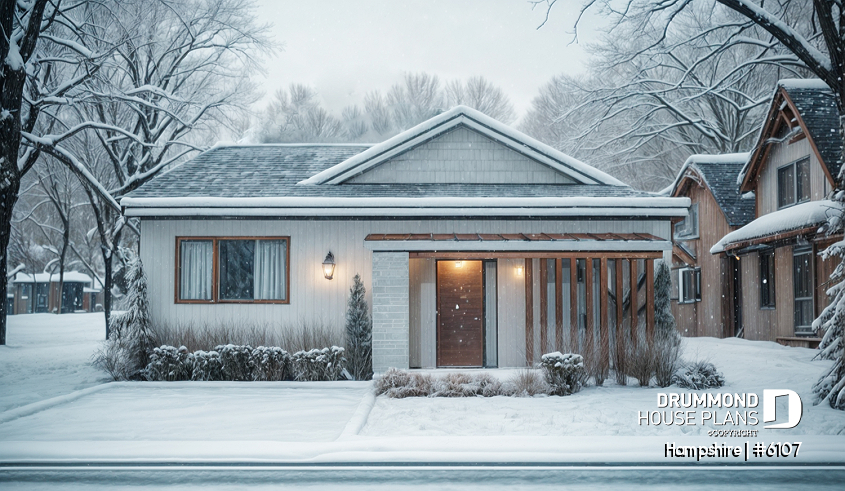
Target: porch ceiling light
point(518, 269)
point(328, 266)
point(459, 264)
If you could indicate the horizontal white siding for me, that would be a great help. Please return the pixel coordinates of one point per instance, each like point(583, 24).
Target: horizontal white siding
point(312, 297)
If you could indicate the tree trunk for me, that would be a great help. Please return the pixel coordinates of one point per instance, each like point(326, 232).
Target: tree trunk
point(107, 284)
point(8, 197)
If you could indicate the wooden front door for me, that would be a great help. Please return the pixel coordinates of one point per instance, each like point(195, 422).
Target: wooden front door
point(460, 314)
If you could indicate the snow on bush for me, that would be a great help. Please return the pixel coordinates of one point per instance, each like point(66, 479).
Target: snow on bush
point(269, 363)
point(169, 364)
point(565, 374)
point(237, 361)
point(318, 364)
point(359, 333)
point(206, 366)
point(399, 384)
point(699, 375)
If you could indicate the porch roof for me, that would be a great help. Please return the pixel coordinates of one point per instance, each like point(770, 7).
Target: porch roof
point(517, 242)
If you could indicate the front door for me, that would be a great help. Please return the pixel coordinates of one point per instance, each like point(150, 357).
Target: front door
point(460, 314)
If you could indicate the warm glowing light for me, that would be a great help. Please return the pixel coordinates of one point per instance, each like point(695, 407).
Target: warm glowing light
point(518, 270)
point(328, 266)
point(459, 264)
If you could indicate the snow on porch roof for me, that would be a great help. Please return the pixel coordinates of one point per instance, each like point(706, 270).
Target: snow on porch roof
point(802, 218)
point(518, 242)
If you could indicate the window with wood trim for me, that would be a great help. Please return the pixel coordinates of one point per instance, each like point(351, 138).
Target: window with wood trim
point(767, 279)
point(802, 282)
point(232, 269)
point(688, 227)
point(689, 285)
point(794, 183)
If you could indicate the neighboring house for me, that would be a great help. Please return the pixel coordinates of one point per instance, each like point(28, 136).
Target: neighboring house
point(705, 287)
point(479, 246)
point(37, 293)
point(791, 172)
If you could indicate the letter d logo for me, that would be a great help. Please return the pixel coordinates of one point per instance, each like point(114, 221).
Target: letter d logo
point(796, 408)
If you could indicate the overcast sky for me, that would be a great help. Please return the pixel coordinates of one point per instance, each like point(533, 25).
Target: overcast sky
point(345, 48)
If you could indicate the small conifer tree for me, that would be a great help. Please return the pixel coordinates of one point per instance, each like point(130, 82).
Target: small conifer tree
point(359, 333)
point(134, 326)
point(663, 319)
point(830, 388)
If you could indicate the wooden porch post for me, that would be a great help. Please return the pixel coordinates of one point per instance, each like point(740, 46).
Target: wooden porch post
point(634, 301)
point(544, 306)
point(588, 286)
point(573, 305)
point(529, 311)
point(620, 337)
point(559, 304)
point(649, 288)
point(604, 326)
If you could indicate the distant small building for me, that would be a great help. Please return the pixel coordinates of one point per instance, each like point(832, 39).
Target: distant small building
point(39, 293)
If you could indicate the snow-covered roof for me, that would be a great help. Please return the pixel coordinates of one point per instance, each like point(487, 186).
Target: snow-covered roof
point(809, 215)
point(475, 120)
point(818, 116)
point(69, 277)
point(719, 173)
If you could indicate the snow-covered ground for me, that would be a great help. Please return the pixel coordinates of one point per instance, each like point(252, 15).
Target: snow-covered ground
point(47, 355)
point(47, 419)
point(748, 367)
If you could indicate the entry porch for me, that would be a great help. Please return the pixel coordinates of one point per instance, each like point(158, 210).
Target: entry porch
point(465, 300)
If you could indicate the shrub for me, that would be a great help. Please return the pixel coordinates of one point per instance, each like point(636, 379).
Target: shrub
point(114, 358)
point(206, 366)
point(667, 356)
point(596, 363)
point(699, 375)
point(565, 374)
point(639, 362)
point(466, 385)
point(236, 361)
point(168, 363)
point(269, 363)
point(302, 336)
point(400, 384)
point(359, 333)
point(318, 364)
point(526, 382)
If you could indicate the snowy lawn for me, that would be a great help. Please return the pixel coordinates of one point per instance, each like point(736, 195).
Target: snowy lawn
point(47, 355)
point(189, 411)
point(748, 366)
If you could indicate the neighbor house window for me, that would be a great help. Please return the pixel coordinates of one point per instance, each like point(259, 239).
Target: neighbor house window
point(237, 269)
point(688, 227)
point(689, 285)
point(794, 183)
point(802, 280)
point(767, 279)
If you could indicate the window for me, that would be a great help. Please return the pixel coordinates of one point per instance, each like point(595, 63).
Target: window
point(688, 227)
point(237, 269)
point(802, 281)
point(794, 183)
point(767, 279)
point(689, 285)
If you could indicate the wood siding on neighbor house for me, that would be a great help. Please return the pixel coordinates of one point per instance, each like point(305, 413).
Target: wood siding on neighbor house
point(462, 156)
point(704, 318)
point(779, 155)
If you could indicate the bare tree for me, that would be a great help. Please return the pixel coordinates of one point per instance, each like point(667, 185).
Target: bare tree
point(482, 96)
point(815, 38)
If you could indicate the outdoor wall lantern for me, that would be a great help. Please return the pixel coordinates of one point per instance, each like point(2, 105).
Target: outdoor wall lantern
point(518, 269)
point(328, 266)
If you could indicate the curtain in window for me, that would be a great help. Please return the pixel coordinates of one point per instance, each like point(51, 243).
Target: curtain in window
point(195, 270)
point(270, 270)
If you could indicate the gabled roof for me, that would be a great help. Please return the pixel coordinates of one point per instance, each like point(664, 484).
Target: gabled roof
point(812, 106)
point(477, 121)
point(718, 173)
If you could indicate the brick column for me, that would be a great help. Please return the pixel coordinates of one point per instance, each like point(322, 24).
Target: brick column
point(390, 310)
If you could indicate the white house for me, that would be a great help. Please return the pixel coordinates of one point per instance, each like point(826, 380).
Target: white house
point(479, 245)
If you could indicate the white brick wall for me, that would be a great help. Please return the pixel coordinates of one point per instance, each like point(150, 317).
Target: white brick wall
point(390, 310)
